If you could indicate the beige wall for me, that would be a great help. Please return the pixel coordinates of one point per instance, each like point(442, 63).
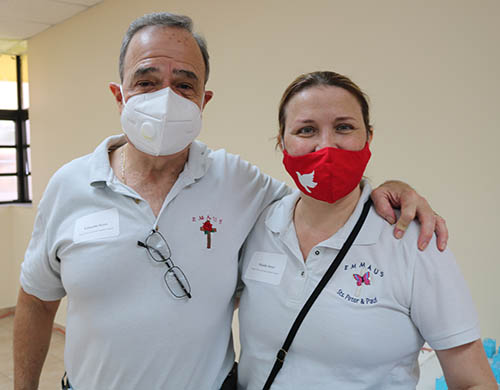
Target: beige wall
point(15, 232)
point(430, 68)
point(8, 267)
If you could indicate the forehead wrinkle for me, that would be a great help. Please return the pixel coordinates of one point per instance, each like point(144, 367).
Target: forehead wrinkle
point(166, 43)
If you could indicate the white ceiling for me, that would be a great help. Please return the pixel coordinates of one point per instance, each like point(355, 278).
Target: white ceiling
point(21, 19)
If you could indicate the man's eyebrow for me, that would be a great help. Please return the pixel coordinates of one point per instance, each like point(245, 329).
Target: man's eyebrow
point(187, 73)
point(146, 70)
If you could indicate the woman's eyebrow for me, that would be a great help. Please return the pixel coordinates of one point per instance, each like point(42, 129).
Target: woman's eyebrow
point(305, 120)
point(344, 118)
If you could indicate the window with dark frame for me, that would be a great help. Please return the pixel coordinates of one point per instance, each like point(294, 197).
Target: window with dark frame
point(15, 173)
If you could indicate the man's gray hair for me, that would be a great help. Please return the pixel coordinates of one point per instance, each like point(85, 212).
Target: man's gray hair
point(163, 19)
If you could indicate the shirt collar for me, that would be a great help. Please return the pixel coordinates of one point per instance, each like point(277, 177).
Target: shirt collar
point(280, 219)
point(198, 162)
point(100, 167)
point(101, 173)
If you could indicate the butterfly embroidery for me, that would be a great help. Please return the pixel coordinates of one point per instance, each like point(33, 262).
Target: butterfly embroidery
point(362, 279)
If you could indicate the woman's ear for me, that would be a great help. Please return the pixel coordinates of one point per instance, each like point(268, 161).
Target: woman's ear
point(370, 135)
point(279, 142)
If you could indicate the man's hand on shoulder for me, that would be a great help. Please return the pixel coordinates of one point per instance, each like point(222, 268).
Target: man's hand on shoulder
point(397, 194)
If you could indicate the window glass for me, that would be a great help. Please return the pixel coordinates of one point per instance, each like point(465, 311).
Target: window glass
point(7, 133)
point(28, 137)
point(10, 153)
point(8, 82)
point(26, 96)
point(28, 163)
point(8, 95)
point(8, 188)
point(25, 80)
point(8, 160)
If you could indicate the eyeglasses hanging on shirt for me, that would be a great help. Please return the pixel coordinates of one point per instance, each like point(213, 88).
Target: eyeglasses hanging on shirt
point(159, 251)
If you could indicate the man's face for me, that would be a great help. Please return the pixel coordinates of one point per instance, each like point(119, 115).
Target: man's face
point(160, 57)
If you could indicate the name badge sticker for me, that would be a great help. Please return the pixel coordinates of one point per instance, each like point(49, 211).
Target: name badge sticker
point(102, 224)
point(266, 267)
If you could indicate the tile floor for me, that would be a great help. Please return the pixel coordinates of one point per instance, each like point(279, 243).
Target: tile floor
point(52, 369)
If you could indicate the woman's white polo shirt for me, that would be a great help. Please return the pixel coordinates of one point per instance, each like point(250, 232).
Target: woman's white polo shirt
point(367, 326)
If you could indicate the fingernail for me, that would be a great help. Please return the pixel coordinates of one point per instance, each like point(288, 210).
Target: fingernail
point(423, 245)
point(398, 233)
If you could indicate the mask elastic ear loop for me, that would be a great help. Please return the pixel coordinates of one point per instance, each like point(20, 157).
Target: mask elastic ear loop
point(123, 96)
point(282, 145)
point(201, 106)
point(202, 102)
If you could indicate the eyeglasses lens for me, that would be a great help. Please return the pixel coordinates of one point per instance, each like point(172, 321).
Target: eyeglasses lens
point(177, 282)
point(157, 247)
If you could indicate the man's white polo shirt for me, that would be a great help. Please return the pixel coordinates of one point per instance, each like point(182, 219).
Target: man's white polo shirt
point(124, 328)
point(367, 326)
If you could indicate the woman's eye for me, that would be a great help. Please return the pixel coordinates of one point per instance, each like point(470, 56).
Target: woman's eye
point(306, 130)
point(344, 127)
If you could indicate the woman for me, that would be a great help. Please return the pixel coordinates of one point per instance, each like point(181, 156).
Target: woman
point(367, 326)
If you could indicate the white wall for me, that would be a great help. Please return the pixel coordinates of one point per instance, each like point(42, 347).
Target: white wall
point(430, 68)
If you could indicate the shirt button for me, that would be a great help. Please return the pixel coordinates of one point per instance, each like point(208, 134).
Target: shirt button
point(302, 273)
point(137, 201)
point(316, 253)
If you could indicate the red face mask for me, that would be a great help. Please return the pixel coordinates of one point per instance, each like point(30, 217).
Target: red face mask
point(328, 174)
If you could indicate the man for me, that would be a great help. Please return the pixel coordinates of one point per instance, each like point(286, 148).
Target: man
point(143, 234)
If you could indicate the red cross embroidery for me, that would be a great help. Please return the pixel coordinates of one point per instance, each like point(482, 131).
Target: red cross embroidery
point(208, 229)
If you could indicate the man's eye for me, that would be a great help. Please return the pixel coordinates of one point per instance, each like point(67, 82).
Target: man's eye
point(144, 84)
point(185, 86)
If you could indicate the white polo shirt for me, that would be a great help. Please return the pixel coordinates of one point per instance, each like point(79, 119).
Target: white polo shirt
point(124, 329)
point(367, 326)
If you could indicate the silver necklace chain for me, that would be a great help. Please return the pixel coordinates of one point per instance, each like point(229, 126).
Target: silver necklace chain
point(123, 157)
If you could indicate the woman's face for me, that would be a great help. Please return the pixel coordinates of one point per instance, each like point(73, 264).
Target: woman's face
point(324, 116)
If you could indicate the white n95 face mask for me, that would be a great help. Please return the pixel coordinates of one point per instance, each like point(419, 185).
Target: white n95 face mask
point(160, 123)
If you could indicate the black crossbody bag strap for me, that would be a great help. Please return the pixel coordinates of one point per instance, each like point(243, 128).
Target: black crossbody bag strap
point(280, 357)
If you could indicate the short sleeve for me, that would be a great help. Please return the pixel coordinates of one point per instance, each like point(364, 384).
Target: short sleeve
point(40, 274)
point(258, 189)
point(441, 304)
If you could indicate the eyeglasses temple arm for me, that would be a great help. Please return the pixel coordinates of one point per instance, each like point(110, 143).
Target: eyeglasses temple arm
point(182, 286)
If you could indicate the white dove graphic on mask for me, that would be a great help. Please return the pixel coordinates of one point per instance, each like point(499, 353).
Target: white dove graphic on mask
point(307, 180)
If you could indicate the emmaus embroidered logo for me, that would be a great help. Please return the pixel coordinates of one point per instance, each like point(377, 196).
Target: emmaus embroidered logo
point(208, 229)
point(363, 279)
point(207, 226)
